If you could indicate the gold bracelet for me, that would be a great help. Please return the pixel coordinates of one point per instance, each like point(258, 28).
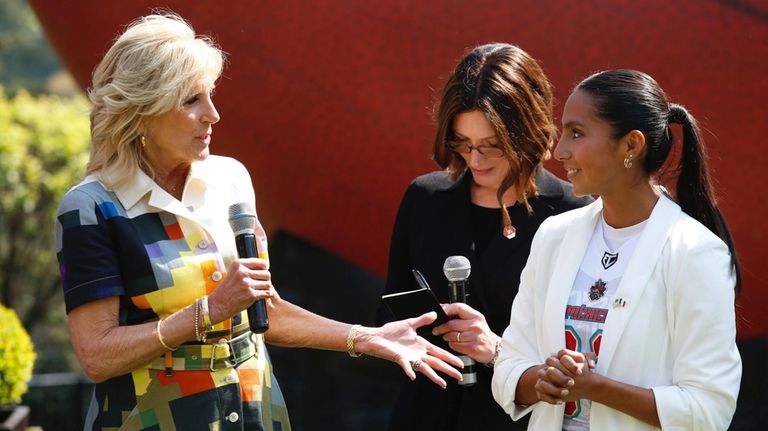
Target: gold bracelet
point(160, 337)
point(205, 317)
point(351, 341)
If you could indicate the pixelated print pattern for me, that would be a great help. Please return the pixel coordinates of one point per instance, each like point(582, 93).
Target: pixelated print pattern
point(150, 259)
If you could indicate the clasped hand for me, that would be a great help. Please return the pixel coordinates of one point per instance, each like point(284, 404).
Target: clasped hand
point(566, 376)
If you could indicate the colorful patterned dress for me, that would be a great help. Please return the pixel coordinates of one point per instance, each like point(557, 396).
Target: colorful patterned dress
point(158, 255)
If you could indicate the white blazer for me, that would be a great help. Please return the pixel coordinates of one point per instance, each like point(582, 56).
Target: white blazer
point(676, 334)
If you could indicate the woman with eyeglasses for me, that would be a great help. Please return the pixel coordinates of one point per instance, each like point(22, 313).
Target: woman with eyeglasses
point(494, 129)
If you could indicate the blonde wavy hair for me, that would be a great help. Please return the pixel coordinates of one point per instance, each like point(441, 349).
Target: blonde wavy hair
point(151, 69)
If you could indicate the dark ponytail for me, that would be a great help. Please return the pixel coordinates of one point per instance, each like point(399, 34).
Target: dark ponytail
point(694, 192)
point(631, 100)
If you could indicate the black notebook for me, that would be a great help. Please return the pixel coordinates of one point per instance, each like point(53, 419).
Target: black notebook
point(414, 303)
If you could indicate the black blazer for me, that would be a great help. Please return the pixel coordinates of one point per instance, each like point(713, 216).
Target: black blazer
point(435, 221)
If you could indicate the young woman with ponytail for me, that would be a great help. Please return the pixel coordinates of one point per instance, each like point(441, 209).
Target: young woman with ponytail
point(625, 313)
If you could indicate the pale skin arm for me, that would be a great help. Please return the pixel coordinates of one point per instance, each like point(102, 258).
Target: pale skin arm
point(566, 378)
point(105, 349)
point(293, 326)
point(476, 339)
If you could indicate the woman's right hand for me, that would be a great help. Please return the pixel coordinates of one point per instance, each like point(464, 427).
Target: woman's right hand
point(468, 333)
point(246, 281)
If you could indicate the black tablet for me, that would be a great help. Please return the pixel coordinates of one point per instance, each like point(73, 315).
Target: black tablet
point(414, 303)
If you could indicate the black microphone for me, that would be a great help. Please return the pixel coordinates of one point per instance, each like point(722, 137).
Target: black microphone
point(242, 219)
point(456, 270)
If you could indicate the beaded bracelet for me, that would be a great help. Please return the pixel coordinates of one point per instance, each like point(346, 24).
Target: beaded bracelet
point(160, 337)
point(198, 336)
point(351, 341)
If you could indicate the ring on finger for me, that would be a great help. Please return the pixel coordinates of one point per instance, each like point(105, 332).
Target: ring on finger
point(415, 365)
point(458, 337)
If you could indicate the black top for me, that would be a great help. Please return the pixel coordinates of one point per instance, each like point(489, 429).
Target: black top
point(437, 219)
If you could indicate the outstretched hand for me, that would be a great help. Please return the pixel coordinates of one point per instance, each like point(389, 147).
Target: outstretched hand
point(398, 342)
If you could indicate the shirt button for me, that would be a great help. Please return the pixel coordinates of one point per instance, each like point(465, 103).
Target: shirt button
point(202, 244)
point(233, 417)
point(230, 378)
point(216, 276)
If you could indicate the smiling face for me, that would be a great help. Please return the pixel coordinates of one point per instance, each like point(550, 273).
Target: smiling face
point(474, 129)
point(182, 136)
point(592, 158)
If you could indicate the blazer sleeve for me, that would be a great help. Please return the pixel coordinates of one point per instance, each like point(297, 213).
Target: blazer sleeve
point(519, 343)
point(707, 366)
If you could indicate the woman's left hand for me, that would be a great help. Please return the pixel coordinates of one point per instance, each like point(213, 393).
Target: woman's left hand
point(399, 343)
point(567, 376)
point(468, 333)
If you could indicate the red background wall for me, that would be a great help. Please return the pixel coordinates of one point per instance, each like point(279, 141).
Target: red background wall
point(327, 102)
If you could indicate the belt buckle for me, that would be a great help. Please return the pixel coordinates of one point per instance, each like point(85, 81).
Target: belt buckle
point(228, 362)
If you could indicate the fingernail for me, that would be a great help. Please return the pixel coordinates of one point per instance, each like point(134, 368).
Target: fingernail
point(559, 402)
point(564, 393)
point(571, 382)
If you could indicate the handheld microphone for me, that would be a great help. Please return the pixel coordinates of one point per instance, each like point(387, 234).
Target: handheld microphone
point(242, 219)
point(456, 270)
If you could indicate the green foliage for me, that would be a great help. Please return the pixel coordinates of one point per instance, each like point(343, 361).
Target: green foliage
point(43, 152)
point(17, 358)
point(26, 58)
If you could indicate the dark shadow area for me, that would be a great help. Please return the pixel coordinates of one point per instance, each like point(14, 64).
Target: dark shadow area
point(58, 401)
point(330, 390)
point(751, 414)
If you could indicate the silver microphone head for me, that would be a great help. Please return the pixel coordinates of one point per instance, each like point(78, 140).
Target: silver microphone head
point(242, 218)
point(456, 268)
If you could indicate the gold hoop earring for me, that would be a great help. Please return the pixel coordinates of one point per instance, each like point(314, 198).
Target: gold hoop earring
point(143, 140)
point(628, 161)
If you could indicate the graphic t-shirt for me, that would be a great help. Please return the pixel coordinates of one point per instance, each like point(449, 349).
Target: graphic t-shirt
point(592, 296)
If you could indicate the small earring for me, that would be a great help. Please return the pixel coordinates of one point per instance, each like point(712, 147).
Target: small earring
point(143, 141)
point(628, 161)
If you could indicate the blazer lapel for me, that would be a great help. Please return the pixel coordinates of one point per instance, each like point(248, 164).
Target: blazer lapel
point(637, 275)
point(569, 256)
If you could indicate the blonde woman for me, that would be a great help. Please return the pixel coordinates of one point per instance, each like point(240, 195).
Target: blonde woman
point(154, 291)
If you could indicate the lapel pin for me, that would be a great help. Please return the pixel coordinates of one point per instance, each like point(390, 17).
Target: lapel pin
point(618, 302)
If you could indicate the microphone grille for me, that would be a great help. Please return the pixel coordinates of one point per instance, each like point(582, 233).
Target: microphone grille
point(242, 218)
point(456, 268)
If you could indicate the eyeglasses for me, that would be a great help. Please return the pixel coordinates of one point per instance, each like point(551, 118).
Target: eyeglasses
point(490, 151)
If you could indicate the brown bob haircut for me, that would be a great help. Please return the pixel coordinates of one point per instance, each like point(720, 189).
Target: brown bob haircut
point(510, 88)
